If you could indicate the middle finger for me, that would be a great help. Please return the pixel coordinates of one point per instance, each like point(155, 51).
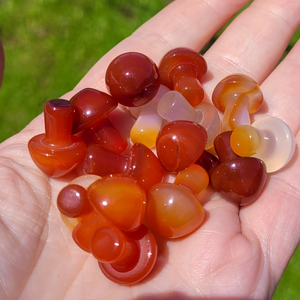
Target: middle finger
point(255, 41)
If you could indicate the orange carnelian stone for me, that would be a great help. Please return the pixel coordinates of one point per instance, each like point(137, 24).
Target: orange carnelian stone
point(135, 271)
point(111, 245)
point(90, 106)
point(172, 210)
point(132, 79)
point(237, 96)
point(208, 161)
point(84, 182)
point(191, 90)
point(182, 69)
point(106, 135)
point(144, 166)
point(141, 163)
point(57, 152)
point(120, 199)
point(239, 180)
point(231, 87)
point(72, 201)
point(194, 177)
point(179, 144)
point(83, 232)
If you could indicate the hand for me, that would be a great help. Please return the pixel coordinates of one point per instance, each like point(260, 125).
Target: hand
point(238, 253)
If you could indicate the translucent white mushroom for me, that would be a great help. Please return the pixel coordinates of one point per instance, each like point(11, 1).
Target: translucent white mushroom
point(173, 106)
point(148, 122)
point(269, 139)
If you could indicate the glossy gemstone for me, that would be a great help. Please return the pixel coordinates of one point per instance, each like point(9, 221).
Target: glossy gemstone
point(57, 152)
point(120, 199)
point(239, 180)
point(83, 232)
point(179, 144)
point(111, 245)
point(173, 211)
point(132, 79)
point(141, 163)
point(90, 106)
point(182, 69)
point(72, 201)
point(237, 96)
point(133, 273)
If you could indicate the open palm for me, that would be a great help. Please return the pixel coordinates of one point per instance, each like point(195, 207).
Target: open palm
point(238, 253)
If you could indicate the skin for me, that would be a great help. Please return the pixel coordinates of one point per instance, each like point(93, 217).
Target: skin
point(238, 253)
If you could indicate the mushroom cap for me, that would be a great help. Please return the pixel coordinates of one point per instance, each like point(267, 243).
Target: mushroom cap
point(90, 106)
point(144, 166)
point(281, 144)
point(232, 87)
point(132, 79)
point(179, 59)
point(179, 144)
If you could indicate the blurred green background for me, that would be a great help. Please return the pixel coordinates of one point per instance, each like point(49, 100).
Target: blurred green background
point(51, 44)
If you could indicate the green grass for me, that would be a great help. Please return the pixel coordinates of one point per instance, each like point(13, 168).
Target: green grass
point(51, 44)
point(288, 287)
